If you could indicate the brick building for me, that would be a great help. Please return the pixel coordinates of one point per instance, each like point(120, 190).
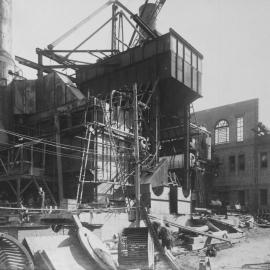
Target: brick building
point(241, 151)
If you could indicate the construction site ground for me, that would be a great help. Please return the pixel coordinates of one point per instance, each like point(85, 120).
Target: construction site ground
point(254, 248)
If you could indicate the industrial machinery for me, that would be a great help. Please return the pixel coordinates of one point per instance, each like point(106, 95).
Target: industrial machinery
point(96, 123)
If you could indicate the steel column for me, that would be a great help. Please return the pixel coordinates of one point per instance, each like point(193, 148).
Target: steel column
point(137, 155)
point(59, 159)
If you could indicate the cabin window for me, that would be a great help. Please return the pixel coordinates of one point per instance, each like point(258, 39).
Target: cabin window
point(199, 64)
point(180, 49)
point(173, 44)
point(187, 55)
point(194, 61)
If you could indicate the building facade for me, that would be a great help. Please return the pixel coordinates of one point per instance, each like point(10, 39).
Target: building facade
point(241, 153)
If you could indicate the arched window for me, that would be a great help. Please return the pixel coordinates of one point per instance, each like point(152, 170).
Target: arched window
point(222, 132)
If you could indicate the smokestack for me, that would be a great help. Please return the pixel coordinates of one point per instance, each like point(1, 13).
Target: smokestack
point(6, 61)
point(148, 14)
point(6, 64)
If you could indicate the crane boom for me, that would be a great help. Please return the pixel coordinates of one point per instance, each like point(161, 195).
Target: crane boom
point(81, 23)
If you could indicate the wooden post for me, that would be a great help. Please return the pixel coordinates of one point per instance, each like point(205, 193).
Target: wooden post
point(44, 157)
point(59, 159)
point(32, 160)
point(186, 148)
point(18, 191)
point(8, 162)
point(256, 174)
point(21, 159)
point(157, 125)
point(137, 155)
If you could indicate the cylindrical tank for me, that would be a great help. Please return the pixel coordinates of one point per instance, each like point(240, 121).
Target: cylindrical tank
point(148, 15)
point(6, 64)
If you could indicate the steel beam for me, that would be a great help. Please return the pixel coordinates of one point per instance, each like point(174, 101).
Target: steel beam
point(85, 40)
point(77, 26)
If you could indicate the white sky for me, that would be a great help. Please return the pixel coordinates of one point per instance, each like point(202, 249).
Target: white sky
point(233, 36)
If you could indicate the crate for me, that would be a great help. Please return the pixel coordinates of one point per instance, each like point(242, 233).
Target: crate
point(136, 249)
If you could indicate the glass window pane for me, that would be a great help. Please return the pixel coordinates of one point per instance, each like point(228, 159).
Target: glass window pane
point(194, 79)
point(240, 129)
point(194, 60)
point(180, 49)
point(200, 83)
point(173, 44)
point(179, 69)
point(187, 74)
point(199, 64)
point(187, 55)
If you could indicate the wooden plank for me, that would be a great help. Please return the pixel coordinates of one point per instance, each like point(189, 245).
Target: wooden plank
point(212, 226)
point(165, 252)
point(225, 226)
point(188, 229)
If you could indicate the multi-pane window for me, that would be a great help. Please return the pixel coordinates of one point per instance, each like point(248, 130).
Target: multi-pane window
point(240, 129)
point(263, 197)
point(232, 163)
point(264, 162)
point(222, 132)
point(241, 162)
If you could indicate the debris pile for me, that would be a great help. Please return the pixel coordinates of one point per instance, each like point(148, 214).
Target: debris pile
point(208, 234)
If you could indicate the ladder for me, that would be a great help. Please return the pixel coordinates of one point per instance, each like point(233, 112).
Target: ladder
point(120, 175)
point(84, 162)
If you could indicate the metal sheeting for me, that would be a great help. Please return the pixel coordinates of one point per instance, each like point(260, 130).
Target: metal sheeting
point(59, 252)
point(158, 176)
point(24, 96)
point(55, 90)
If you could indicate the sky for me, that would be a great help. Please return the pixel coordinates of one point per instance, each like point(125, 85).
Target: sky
point(233, 36)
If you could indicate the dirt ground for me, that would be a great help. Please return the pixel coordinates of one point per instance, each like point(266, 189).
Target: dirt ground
point(253, 249)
